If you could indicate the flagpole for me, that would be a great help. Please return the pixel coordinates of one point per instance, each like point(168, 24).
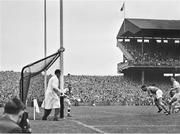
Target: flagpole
point(124, 16)
point(124, 10)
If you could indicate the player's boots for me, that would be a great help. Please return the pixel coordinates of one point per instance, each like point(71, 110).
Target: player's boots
point(168, 113)
point(159, 110)
point(68, 115)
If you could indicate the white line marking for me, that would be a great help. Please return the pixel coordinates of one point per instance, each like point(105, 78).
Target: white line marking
point(88, 126)
point(116, 113)
point(136, 125)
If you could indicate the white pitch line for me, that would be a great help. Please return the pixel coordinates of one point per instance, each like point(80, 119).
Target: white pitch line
point(136, 125)
point(116, 113)
point(88, 126)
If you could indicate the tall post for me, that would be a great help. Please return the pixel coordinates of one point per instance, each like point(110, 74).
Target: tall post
point(142, 78)
point(61, 60)
point(142, 48)
point(45, 45)
point(124, 17)
point(124, 13)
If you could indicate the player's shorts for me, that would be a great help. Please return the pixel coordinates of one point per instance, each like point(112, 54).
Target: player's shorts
point(159, 94)
point(67, 101)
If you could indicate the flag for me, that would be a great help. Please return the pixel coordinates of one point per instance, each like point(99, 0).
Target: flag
point(122, 8)
point(36, 106)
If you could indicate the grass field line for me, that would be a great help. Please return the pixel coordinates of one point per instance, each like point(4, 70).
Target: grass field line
point(133, 114)
point(88, 126)
point(173, 125)
point(116, 113)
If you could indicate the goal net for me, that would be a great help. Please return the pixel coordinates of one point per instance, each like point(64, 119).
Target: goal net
point(32, 70)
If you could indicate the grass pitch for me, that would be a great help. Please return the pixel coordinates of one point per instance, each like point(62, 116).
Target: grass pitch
point(109, 119)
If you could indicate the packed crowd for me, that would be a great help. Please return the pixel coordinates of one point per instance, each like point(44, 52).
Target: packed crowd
point(154, 54)
point(9, 85)
point(99, 90)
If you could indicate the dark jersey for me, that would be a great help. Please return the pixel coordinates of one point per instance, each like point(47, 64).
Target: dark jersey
point(152, 89)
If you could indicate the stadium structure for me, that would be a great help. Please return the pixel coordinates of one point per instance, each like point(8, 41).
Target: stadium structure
point(151, 48)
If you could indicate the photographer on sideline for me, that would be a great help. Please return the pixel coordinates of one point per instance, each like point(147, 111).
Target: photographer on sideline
point(12, 116)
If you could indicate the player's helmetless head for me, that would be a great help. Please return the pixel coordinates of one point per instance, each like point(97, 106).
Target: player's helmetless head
point(144, 88)
point(57, 72)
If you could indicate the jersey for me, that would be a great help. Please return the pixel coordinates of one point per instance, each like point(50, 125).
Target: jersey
point(176, 84)
point(152, 89)
point(155, 91)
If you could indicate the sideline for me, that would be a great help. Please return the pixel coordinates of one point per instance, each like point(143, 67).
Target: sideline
point(88, 126)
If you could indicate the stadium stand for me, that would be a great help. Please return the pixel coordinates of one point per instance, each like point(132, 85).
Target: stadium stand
point(153, 45)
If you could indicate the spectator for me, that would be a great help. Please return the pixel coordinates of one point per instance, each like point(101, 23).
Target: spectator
point(12, 116)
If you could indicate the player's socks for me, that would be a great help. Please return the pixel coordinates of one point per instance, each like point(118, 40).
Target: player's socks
point(68, 112)
point(68, 115)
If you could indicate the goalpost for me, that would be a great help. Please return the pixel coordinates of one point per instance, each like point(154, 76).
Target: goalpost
point(44, 64)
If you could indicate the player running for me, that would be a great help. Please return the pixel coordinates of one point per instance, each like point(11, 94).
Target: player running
point(174, 102)
point(175, 86)
point(157, 94)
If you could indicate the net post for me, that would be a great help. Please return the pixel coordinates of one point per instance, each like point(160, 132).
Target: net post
point(62, 106)
point(61, 50)
point(21, 86)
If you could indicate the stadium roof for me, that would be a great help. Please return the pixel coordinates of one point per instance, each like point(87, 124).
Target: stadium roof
point(149, 28)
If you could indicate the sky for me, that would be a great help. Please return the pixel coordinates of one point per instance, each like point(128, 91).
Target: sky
point(89, 36)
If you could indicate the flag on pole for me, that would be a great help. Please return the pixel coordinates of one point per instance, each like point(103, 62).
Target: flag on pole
point(36, 107)
point(122, 8)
